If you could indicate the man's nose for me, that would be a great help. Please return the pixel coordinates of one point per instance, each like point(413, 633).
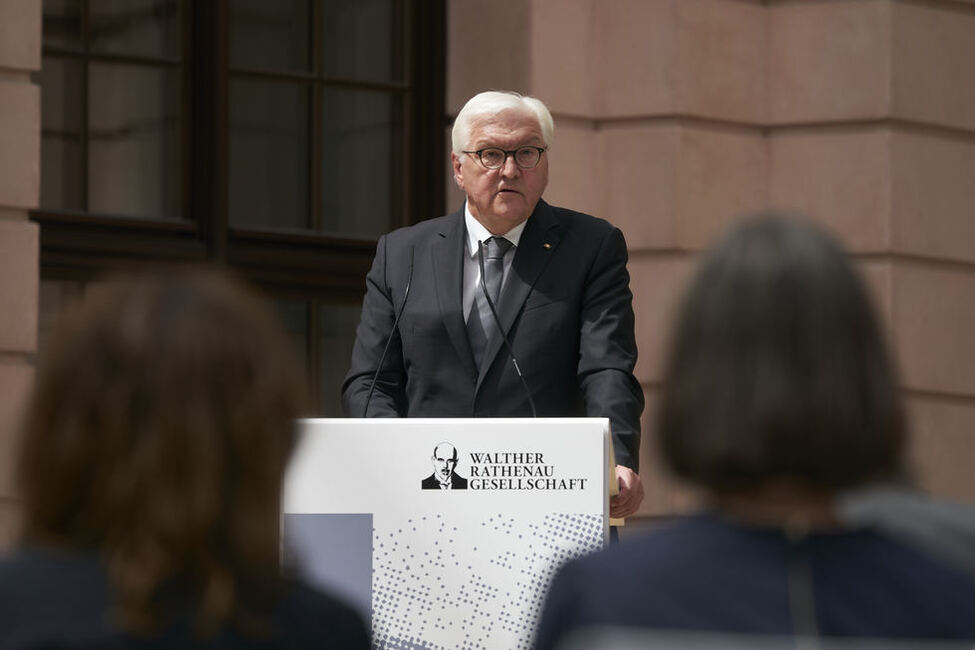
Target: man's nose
point(510, 168)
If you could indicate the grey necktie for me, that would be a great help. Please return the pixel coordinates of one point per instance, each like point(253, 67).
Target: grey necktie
point(480, 319)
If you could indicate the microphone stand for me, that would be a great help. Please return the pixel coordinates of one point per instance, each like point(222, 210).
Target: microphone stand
point(392, 332)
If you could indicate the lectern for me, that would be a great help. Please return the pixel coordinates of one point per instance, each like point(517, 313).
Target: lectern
point(368, 514)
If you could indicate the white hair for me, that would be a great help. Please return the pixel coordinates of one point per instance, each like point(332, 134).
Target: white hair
point(493, 102)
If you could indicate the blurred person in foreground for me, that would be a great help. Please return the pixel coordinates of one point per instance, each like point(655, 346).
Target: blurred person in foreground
point(778, 395)
point(150, 477)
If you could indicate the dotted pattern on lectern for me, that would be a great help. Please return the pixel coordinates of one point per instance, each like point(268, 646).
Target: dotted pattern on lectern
point(434, 585)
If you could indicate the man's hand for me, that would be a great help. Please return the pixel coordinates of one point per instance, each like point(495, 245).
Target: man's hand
point(630, 497)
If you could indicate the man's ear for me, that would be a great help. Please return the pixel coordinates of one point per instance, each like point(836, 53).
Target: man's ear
point(458, 173)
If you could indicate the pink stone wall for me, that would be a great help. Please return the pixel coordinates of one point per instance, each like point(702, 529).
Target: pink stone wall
point(20, 53)
point(673, 116)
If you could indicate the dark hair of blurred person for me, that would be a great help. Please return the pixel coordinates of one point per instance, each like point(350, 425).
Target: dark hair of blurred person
point(778, 394)
point(779, 368)
point(156, 444)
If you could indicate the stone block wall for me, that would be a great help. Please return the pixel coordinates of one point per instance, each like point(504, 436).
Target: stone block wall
point(20, 115)
point(674, 116)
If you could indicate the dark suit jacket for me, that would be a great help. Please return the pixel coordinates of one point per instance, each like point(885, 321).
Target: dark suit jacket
point(456, 482)
point(566, 307)
point(708, 573)
point(54, 599)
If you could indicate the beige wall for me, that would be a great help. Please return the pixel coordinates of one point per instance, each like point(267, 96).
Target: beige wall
point(675, 115)
point(20, 113)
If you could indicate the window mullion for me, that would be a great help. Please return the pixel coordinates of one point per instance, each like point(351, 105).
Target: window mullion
point(207, 173)
point(85, 111)
point(314, 115)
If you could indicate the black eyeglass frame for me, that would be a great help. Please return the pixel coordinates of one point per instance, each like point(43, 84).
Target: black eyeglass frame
point(507, 152)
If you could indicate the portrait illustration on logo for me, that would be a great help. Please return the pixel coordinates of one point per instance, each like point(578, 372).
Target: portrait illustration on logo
point(444, 477)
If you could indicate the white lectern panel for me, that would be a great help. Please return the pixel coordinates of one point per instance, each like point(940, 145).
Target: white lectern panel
point(465, 567)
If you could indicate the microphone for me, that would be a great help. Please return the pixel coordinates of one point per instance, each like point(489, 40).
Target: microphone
point(504, 337)
point(392, 331)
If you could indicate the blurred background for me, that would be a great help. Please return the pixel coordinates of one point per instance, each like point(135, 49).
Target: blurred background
point(282, 138)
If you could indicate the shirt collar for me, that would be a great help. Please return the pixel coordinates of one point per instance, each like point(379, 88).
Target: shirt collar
point(477, 232)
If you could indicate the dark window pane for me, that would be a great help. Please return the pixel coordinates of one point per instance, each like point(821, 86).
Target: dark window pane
point(362, 166)
point(269, 154)
point(62, 162)
point(54, 297)
point(363, 39)
point(294, 319)
point(270, 35)
point(134, 140)
point(140, 27)
point(337, 334)
point(62, 24)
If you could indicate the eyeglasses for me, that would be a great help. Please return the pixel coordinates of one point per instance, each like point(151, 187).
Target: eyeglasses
point(525, 157)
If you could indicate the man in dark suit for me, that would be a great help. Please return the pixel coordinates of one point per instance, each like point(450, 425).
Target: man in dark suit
point(444, 477)
point(564, 300)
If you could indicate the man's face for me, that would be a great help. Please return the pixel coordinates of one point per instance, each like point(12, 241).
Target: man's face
point(444, 462)
point(500, 199)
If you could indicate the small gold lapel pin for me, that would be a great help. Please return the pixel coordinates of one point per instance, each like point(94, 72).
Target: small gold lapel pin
point(547, 245)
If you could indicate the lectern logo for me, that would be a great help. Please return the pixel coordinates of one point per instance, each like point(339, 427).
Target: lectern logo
point(519, 470)
point(444, 477)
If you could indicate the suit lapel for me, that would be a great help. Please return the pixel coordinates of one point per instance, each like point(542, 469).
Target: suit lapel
point(538, 242)
point(448, 265)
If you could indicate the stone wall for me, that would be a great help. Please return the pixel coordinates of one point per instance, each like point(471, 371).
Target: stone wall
point(673, 116)
point(20, 114)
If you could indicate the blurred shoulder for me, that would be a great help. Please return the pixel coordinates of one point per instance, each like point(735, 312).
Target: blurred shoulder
point(29, 572)
point(662, 552)
point(322, 620)
point(44, 594)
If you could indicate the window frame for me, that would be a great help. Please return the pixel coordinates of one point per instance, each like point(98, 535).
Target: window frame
point(321, 268)
point(82, 244)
